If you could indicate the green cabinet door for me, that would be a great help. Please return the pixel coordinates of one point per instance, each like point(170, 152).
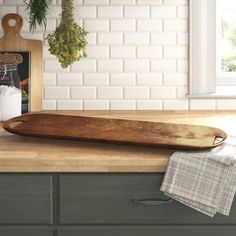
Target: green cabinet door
point(25, 199)
point(25, 231)
point(125, 199)
point(148, 231)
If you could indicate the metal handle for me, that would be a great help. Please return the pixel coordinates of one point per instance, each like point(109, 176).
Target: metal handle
point(153, 202)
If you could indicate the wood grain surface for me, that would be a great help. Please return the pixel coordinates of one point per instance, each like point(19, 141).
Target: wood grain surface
point(13, 42)
point(121, 131)
point(28, 154)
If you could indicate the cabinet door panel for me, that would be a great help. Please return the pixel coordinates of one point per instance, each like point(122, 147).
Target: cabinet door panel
point(148, 231)
point(25, 198)
point(25, 231)
point(125, 199)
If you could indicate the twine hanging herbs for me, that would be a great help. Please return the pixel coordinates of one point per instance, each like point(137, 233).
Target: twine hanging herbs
point(68, 42)
point(37, 11)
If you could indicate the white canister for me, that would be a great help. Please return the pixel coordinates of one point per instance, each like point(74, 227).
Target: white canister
point(10, 105)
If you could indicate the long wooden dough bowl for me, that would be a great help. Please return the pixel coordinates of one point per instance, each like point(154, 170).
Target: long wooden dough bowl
point(93, 129)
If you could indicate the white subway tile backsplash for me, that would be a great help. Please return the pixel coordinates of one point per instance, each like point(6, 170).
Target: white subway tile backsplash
point(182, 92)
point(49, 79)
point(110, 65)
point(176, 25)
point(13, 2)
point(52, 65)
point(91, 38)
point(123, 79)
point(49, 105)
point(203, 104)
point(35, 35)
point(163, 65)
point(123, 25)
point(123, 104)
point(175, 2)
point(98, 51)
point(182, 66)
point(84, 65)
point(136, 92)
point(175, 79)
point(110, 12)
point(149, 79)
point(149, 52)
point(96, 2)
point(137, 65)
point(137, 38)
point(163, 38)
point(21, 11)
point(149, 2)
point(83, 92)
point(95, 79)
point(96, 104)
point(182, 39)
point(136, 11)
point(96, 25)
point(123, 52)
point(175, 105)
point(149, 25)
point(51, 25)
point(69, 105)
point(76, 2)
point(163, 92)
point(149, 105)
point(109, 93)
point(178, 52)
point(85, 11)
point(163, 11)
point(7, 9)
point(182, 11)
point(226, 104)
point(122, 2)
point(137, 56)
point(69, 79)
point(47, 54)
point(54, 12)
point(110, 38)
point(26, 27)
point(57, 92)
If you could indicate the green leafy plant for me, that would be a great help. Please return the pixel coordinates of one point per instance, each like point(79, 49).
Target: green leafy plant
point(37, 10)
point(68, 42)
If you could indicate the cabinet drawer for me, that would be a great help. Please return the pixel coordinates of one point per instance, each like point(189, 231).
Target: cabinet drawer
point(124, 199)
point(148, 231)
point(25, 198)
point(25, 231)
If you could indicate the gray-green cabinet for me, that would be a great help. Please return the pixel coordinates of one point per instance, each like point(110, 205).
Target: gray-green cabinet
point(99, 204)
point(147, 231)
point(25, 199)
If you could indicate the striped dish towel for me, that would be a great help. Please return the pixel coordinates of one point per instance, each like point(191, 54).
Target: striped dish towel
point(203, 180)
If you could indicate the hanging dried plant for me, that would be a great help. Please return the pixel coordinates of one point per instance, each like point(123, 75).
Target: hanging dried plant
point(37, 11)
point(68, 42)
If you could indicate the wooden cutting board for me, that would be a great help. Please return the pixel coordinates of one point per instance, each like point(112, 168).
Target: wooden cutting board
point(13, 42)
point(93, 129)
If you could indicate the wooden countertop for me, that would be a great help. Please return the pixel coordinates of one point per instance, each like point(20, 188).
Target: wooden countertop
point(26, 154)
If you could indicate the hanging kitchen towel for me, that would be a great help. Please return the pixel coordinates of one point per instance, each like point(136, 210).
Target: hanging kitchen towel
point(203, 180)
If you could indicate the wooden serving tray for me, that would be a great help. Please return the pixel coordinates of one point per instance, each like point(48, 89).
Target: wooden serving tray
point(93, 129)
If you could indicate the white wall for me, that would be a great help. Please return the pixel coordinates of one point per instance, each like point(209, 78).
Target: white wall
point(138, 57)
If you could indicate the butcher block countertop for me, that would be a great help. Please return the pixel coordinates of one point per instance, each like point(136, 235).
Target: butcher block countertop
point(26, 154)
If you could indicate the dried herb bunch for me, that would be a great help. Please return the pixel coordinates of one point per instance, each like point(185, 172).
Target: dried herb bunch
point(37, 11)
point(68, 42)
